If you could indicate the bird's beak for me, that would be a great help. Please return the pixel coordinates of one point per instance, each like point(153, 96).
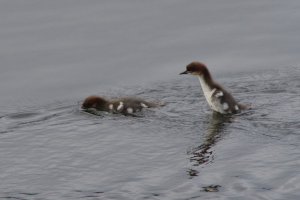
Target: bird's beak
point(185, 72)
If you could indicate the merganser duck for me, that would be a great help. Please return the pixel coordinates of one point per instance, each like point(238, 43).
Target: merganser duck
point(217, 97)
point(127, 105)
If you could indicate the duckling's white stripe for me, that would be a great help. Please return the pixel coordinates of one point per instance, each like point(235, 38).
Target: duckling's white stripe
point(144, 105)
point(129, 110)
point(225, 106)
point(236, 107)
point(219, 94)
point(120, 106)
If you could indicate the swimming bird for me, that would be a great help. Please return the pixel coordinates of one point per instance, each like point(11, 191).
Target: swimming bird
point(126, 105)
point(216, 96)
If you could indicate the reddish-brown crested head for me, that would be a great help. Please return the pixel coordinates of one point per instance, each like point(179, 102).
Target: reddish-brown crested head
point(94, 102)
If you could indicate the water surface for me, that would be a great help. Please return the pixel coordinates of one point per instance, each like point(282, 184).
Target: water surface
point(60, 152)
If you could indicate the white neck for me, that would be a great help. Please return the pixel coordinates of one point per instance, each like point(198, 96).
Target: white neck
point(207, 90)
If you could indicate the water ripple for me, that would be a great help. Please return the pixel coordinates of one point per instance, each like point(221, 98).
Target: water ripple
point(179, 151)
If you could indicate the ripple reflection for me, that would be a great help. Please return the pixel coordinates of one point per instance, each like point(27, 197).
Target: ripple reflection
point(203, 154)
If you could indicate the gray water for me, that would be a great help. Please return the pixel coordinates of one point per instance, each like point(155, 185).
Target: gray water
point(55, 53)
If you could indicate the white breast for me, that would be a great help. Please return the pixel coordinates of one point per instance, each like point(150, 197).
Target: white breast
point(215, 104)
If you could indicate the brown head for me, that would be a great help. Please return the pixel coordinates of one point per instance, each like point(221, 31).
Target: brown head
point(196, 68)
point(95, 102)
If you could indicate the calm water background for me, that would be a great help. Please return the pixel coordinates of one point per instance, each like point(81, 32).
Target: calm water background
point(55, 53)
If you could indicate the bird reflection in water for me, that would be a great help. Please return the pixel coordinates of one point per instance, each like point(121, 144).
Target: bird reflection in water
point(203, 154)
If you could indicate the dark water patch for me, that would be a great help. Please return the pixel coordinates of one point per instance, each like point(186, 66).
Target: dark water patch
point(12, 197)
point(29, 193)
point(192, 172)
point(20, 195)
point(211, 188)
point(21, 115)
